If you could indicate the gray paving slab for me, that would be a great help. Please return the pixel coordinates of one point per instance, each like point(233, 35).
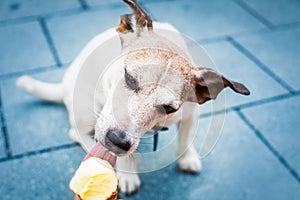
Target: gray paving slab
point(279, 122)
point(199, 19)
point(169, 137)
point(115, 2)
point(240, 167)
point(278, 50)
point(2, 144)
point(22, 8)
point(101, 2)
point(31, 123)
point(23, 47)
point(146, 143)
point(72, 33)
point(44, 176)
point(234, 65)
point(277, 12)
point(164, 138)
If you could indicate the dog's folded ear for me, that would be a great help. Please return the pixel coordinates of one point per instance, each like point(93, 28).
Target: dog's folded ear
point(207, 84)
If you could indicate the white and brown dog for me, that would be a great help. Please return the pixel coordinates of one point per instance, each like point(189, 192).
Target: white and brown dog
point(151, 81)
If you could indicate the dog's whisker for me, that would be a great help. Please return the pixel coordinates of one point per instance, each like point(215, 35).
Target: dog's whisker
point(97, 115)
point(131, 159)
point(89, 125)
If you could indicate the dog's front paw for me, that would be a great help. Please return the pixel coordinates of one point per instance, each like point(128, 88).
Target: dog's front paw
point(190, 161)
point(129, 182)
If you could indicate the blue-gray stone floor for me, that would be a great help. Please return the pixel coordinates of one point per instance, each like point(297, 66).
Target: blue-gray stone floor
point(256, 42)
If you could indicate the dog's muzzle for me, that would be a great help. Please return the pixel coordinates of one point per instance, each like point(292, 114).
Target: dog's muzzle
point(117, 142)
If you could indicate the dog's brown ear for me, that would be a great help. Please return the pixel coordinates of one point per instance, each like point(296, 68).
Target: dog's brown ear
point(127, 25)
point(142, 19)
point(208, 84)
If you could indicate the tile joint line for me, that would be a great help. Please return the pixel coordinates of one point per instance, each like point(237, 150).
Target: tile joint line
point(49, 39)
point(38, 152)
point(271, 148)
point(84, 5)
point(260, 64)
point(254, 13)
point(251, 104)
point(4, 128)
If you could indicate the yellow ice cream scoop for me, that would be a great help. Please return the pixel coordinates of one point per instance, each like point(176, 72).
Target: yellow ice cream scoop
point(95, 179)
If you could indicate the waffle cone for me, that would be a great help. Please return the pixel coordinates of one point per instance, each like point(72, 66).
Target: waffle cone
point(114, 195)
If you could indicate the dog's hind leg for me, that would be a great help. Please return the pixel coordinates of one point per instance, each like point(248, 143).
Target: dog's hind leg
point(46, 91)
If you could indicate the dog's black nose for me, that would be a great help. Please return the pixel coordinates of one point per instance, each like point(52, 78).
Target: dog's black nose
point(116, 137)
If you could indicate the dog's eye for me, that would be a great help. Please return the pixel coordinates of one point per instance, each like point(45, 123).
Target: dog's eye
point(168, 109)
point(131, 82)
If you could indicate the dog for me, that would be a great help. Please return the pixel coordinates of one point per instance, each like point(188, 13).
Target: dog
point(153, 83)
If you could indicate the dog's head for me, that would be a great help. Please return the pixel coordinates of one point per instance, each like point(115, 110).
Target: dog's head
point(156, 79)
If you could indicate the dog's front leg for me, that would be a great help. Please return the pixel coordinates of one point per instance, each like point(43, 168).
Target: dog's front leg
point(127, 174)
point(189, 160)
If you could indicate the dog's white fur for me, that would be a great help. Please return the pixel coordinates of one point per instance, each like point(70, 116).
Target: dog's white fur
point(64, 93)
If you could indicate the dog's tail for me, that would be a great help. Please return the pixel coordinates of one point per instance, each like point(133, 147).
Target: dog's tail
point(46, 91)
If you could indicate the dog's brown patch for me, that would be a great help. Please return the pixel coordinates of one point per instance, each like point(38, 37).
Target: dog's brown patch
point(125, 25)
point(141, 17)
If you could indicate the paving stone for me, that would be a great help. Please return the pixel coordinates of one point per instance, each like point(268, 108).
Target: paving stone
point(279, 11)
point(240, 167)
point(22, 8)
point(279, 122)
point(279, 51)
point(31, 123)
point(118, 2)
point(199, 19)
point(2, 144)
point(146, 143)
point(235, 66)
point(23, 47)
point(72, 33)
point(44, 176)
point(165, 138)
point(103, 2)
point(166, 152)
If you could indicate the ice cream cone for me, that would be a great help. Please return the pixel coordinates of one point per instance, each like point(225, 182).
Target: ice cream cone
point(114, 196)
point(95, 178)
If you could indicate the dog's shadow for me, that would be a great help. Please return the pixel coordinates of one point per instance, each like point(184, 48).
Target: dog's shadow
point(167, 183)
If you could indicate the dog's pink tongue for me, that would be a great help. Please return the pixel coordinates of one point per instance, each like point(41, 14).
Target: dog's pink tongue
point(100, 152)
